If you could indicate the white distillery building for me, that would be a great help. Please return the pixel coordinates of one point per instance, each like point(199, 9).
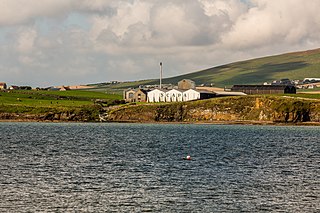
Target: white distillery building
point(191, 94)
point(156, 95)
point(174, 95)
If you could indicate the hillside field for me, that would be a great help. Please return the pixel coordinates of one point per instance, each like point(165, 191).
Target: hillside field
point(297, 65)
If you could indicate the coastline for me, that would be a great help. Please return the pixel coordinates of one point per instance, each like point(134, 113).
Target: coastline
point(231, 122)
point(248, 110)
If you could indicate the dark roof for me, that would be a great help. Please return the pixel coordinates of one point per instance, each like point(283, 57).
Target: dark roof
point(262, 86)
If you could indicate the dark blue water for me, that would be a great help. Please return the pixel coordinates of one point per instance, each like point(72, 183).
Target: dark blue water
point(139, 168)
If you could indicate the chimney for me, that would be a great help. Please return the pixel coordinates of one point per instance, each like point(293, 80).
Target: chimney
point(160, 75)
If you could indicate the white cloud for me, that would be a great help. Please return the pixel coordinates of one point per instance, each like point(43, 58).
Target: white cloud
point(272, 22)
point(22, 11)
point(26, 39)
point(126, 39)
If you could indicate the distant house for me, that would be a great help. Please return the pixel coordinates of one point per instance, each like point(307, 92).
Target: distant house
point(64, 88)
point(186, 84)
point(3, 86)
point(25, 88)
point(53, 89)
point(264, 89)
point(13, 87)
point(157, 95)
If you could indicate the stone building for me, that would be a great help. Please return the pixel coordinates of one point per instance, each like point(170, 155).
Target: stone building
point(133, 95)
point(186, 84)
point(141, 95)
point(128, 95)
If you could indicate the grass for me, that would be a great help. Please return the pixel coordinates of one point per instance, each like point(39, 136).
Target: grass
point(53, 98)
point(298, 65)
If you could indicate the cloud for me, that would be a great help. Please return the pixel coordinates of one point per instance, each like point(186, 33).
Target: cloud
point(125, 39)
point(271, 22)
point(23, 11)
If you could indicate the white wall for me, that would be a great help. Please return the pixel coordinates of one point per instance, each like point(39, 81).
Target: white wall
point(174, 96)
point(156, 96)
point(190, 95)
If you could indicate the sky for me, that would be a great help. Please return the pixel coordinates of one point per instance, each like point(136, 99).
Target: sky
point(69, 42)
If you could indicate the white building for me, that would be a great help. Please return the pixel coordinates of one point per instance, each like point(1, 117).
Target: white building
point(156, 95)
point(191, 94)
point(174, 95)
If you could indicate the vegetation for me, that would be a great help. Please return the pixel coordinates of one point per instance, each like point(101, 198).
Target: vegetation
point(55, 105)
point(298, 65)
point(268, 108)
point(53, 98)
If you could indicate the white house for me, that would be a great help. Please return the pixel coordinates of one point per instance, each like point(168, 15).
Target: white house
point(156, 95)
point(191, 94)
point(174, 95)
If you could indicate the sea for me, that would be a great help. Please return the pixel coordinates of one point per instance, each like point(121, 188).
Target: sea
point(112, 167)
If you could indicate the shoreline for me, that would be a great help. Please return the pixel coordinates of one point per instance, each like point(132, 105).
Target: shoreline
point(237, 122)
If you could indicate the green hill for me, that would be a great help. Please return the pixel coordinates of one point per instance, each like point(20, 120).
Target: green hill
point(297, 65)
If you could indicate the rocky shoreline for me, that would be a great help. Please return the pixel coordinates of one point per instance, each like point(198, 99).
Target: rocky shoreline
point(248, 110)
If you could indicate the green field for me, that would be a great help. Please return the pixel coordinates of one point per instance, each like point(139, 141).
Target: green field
point(53, 98)
point(298, 65)
point(42, 102)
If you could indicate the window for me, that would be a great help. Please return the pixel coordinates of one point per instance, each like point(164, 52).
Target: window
point(131, 95)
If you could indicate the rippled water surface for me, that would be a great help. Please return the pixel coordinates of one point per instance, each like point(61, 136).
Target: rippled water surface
point(139, 168)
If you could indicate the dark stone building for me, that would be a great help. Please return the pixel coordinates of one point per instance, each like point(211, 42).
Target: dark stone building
point(141, 95)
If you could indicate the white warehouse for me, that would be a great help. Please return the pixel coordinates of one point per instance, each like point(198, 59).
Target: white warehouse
point(176, 95)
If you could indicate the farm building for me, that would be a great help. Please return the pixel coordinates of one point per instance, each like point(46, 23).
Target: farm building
point(264, 89)
point(186, 84)
point(3, 86)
